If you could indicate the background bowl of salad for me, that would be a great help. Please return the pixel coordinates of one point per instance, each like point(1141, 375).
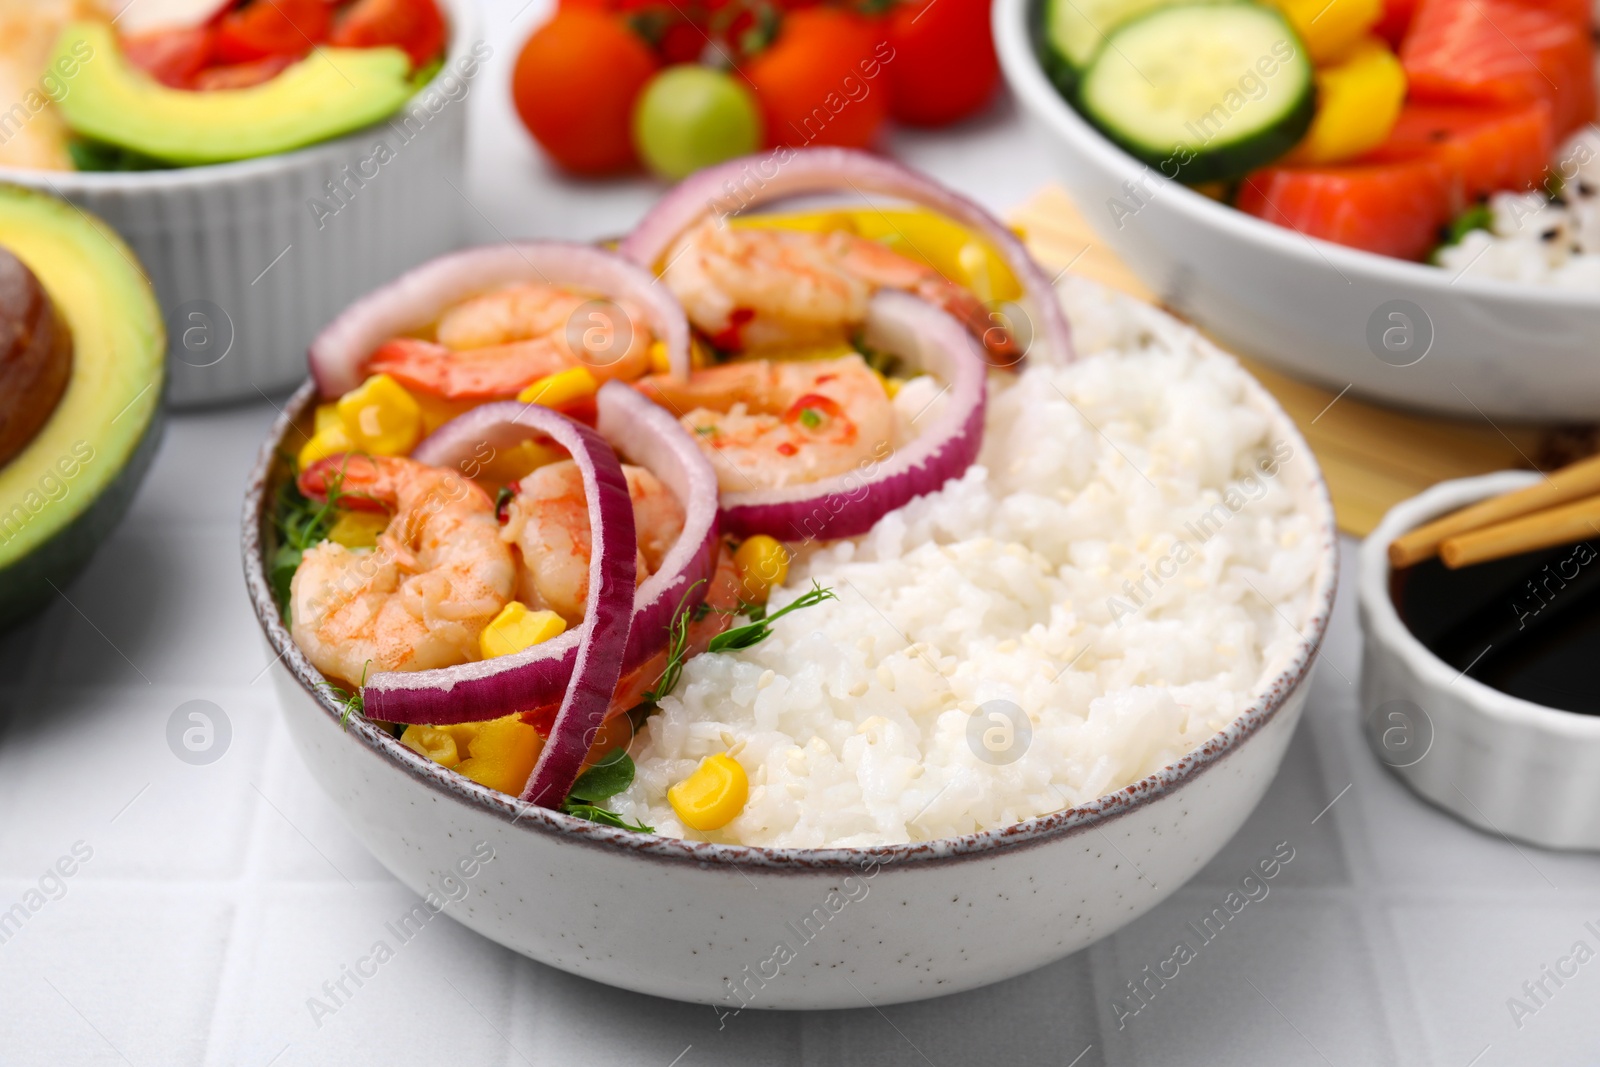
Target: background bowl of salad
point(266, 161)
point(1402, 198)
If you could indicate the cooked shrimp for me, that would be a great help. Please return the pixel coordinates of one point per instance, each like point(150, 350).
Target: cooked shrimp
point(753, 288)
point(771, 423)
point(548, 520)
point(418, 600)
point(494, 345)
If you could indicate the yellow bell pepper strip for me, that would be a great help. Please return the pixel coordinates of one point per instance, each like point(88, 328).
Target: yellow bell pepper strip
point(561, 389)
point(517, 628)
point(326, 418)
point(1330, 28)
point(358, 529)
point(509, 464)
point(660, 363)
point(918, 234)
point(763, 563)
point(381, 417)
point(1358, 103)
point(713, 796)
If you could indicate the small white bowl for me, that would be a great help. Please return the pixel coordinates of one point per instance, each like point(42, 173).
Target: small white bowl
point(699, 922)
point(247, 270)
point(1501, 763)
point(1318, 310)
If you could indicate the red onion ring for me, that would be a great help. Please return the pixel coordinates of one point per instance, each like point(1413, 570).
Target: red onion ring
point(417, 298)
point(848, 505)
point(645, 434)
point(785, 172)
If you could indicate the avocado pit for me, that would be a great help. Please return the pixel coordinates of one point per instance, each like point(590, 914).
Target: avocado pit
point(35, 356)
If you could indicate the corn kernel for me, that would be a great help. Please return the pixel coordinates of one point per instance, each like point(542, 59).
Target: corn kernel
point(327, 417)
point(358, 529)
point(432, 742)
point(509, 464)
point(763, 563)
point(436, 410)
point(659, 361)
point(381, 417)
point(713, 795)
point(517, 628)
point(332, 441)
point(700, 356)
point(562, 388)
point(499, 753)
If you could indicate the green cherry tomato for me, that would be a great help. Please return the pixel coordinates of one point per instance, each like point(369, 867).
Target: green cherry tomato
point(690, 117)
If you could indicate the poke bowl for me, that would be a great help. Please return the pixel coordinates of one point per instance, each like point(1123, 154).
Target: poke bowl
point(1455, 338)
point(1054, 645)
point(259, 210)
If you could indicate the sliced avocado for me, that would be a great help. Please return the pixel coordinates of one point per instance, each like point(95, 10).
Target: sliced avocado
point(331, 92)
point(62, 493)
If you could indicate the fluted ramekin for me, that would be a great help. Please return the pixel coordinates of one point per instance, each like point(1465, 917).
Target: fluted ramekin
point(249, 259)
point(1501, 763)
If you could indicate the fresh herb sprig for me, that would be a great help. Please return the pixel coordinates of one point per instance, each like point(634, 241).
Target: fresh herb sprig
point(350, 703)
point(677, 647)
point(759, 630)
point(600, 783)
point(301, 523)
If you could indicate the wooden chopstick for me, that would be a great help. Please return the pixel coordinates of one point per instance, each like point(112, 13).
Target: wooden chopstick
point(1574, 522)
point(1573, 482)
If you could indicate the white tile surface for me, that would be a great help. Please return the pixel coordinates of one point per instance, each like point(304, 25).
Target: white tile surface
point(219, 898)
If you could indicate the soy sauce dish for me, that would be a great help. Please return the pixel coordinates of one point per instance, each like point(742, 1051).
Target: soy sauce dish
point(1001, 687)
point(1477, 682)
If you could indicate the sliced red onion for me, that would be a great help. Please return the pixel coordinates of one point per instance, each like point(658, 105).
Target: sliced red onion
point(784, 172)
point(849, 504)
point(417, 298)
point(646, 435)
point(501, 686)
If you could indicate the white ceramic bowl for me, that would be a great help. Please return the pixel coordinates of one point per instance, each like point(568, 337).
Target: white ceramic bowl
point(1318, 310)
point(245, 267)
point(1501, 763)
point(688, 920)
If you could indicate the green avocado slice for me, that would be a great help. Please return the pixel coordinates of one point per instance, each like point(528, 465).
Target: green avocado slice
point(69, 486)
point(331, 92)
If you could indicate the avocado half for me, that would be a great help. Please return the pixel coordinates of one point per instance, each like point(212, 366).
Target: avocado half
point(71, 483)
point(329, 93)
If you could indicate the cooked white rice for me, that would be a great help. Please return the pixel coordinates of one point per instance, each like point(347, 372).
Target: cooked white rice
point(1535, 239)
point(1018, 583)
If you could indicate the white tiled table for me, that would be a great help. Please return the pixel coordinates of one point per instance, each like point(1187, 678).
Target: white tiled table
point(219, 898)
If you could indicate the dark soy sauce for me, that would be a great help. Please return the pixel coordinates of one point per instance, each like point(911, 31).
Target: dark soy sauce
point(1527, 625)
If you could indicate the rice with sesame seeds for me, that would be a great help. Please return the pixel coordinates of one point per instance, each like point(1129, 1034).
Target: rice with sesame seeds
point(1125, 565)
point(1550, 241)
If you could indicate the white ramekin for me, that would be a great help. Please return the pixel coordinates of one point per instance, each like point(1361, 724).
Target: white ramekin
point(247, 269)
point(1504, 764)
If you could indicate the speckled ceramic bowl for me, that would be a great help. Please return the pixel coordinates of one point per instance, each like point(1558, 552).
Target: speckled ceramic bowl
point(734, 926)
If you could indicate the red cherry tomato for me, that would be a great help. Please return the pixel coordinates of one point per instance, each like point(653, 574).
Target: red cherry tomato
point(413, 26)
point(823, 81)
point(265, 28)
point(171, 57)
point(241, 75)
point(944, 66)
point(574, 86)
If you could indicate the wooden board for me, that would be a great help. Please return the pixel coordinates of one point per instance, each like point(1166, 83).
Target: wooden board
point(1373, 456)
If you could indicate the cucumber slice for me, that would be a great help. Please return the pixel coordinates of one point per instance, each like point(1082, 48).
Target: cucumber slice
point(1203, 92)
point(1072, 31)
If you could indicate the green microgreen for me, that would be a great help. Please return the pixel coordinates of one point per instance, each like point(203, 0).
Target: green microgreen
point(884, 363)
point(744, 636)
point(677, 649)
point(810, 418)
point(610, 776)
point(351, 703)
point(1476, 217)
